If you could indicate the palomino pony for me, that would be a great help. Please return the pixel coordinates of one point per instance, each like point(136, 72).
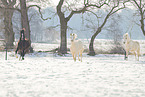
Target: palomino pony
point(131, 46)
point(23, 45)
point(76, 47)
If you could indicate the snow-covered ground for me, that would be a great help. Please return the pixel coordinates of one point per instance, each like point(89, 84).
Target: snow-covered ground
point(44, 74)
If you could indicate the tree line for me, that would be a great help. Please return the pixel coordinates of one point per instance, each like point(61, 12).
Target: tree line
point(65, 10)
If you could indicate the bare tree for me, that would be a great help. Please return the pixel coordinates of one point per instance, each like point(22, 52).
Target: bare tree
point(8, 7)
point(8, 13)
point(24, 18)
point(114, 29)
point(115, 7)
point(64, 20)
point(140, 5)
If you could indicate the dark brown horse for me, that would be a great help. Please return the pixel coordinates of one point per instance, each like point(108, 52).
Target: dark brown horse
point(23, 45)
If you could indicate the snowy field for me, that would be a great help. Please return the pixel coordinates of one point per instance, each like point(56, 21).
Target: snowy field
point(44, 74)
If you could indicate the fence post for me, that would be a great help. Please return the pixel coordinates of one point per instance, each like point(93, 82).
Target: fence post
point(6, 52)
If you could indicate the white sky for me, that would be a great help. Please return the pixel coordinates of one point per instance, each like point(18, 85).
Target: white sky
point(55, 2)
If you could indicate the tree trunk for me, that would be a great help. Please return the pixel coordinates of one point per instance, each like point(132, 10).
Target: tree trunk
point(91, 45)
point(9, 34)
point(142, 23)
point(141, 10)
point(63, 28)
point(25, 21)
point(8, 14)
point(63, 44)
point(24, 18)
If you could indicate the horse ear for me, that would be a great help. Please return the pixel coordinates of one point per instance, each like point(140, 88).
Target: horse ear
point(128, 35)
point(125, 35)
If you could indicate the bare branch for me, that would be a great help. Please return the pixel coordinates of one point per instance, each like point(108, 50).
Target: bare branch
point(136, 4)
point(120, 7)
point(141, 12)
point(84, 9)
point(53, 26)
point(9, 5)
point(31, 17)
point(59, 6)
point(94, 13)
point(10, 8)
point(39, 11)
point(5, 3)
point(12, 3)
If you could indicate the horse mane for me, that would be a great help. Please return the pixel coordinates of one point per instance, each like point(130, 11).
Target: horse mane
point(126, 35)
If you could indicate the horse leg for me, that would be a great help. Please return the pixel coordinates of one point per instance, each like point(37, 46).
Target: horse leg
point(125, 57)
point(78, 56)
point(75, 57)
point(81, 56)
point(135, 54)
point(126, 54)
point(16, 52)
point(20, 56)
point(23, 53)
point(138, 53)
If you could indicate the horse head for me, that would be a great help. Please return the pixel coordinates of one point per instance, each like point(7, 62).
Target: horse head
point(22, 35)
point(126, 38)
point(73, 36)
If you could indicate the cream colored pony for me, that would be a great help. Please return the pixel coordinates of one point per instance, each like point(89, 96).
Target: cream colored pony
point(76, 47)
point(131, 46)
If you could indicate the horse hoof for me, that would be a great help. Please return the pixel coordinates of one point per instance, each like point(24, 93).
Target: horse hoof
point(16, 56)
point(22, 58)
